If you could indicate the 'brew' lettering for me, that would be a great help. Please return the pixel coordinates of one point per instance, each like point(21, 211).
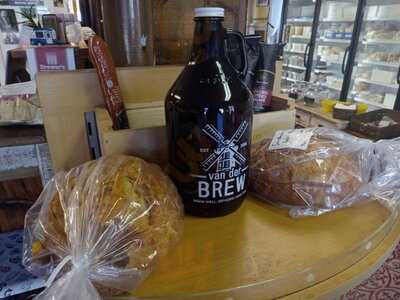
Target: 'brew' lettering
point(219, 189)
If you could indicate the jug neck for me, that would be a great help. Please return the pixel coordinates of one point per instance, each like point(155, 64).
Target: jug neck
point(209, 40)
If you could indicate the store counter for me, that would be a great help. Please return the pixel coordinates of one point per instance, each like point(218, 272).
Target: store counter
point(259, 252)
point(313, 116)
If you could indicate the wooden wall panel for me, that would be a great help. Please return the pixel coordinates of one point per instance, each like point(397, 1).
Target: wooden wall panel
point(173, 25)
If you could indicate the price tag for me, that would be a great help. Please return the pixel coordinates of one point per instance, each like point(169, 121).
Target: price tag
point(291, 139)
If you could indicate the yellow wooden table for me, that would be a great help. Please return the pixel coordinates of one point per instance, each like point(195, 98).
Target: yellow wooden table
point(259, 252)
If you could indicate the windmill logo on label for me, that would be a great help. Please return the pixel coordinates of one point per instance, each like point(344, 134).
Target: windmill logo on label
point(226, 156)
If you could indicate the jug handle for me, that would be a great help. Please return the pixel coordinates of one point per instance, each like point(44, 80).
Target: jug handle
point(240, 36)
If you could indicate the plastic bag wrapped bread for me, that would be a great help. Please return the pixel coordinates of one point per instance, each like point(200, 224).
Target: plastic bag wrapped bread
point(311, 170)
point(385, 184)
point(98, 229)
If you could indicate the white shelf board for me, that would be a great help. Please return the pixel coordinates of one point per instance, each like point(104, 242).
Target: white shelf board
point(366, 63)
point(294, 67)
point(317, 71)
point(380, 42)
point(337, 20)
point(382, 20)
point(293, 52)
point(381, 2)
point(331, 62)
point(289, 79)
point(300, 20)
point(299, 37)
point(334, 41)
point(376, 104)
point(331, 87)
point(391, 86)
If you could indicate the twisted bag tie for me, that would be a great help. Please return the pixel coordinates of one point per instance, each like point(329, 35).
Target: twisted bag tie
point(83, 263)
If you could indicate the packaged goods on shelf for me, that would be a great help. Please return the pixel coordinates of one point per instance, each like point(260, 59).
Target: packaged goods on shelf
point(307, 31)
point(371, 97)
point(298, 30)
point(19, 104)
point(20, 109)
point(389, 100)
point(388, 11)
point(337, 11)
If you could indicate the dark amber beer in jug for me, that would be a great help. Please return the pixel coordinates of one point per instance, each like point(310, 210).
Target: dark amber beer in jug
point(209, 124)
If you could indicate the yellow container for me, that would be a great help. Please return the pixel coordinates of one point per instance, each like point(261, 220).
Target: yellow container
point(362, 108)
point(328, 104)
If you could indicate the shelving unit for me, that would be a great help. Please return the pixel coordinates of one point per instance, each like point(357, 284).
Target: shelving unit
point(299, 14)
point(371, 49)
point(333, 38)
point(349, 40)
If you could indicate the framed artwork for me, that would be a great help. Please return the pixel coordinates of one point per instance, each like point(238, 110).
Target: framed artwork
point(8, 21)
point(58, 3)
point(11, 38)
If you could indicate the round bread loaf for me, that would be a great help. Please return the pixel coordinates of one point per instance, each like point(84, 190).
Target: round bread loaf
point(332, 169)
point(119, 212)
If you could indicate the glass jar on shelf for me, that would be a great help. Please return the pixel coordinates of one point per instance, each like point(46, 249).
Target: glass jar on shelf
point(294, 91)
point(297, 90)
point(321, 92)
point(310, 95)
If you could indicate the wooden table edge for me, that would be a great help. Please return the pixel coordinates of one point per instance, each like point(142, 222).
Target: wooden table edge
point(336, 286)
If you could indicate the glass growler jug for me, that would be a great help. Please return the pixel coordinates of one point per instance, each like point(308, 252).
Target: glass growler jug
point(209, 115)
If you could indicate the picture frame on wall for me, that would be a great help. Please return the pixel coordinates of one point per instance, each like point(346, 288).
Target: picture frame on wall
point(8, 21)
point(58, 3)
point(10, 38)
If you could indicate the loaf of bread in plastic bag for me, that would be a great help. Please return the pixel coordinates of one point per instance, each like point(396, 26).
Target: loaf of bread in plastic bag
point(108, 219)
point(329, 171)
